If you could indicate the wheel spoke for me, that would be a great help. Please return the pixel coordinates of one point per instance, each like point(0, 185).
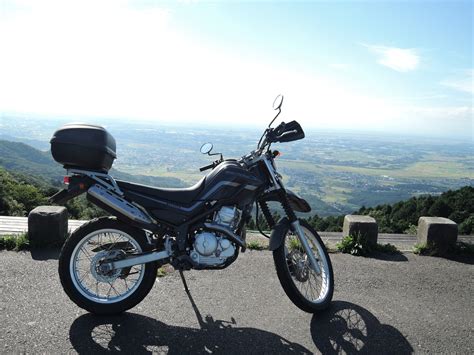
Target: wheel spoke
point(311, 286)
point(90, 280)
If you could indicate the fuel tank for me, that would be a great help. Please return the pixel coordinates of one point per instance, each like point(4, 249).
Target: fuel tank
point(228, 183)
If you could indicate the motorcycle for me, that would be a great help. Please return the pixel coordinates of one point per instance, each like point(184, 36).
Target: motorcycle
point(109, 264)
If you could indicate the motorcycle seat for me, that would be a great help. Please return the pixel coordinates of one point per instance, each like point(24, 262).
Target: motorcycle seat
point(179, 195)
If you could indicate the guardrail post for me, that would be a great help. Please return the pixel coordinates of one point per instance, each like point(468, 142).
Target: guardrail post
point(47, 225)
point(438, 233)
point(366, 226)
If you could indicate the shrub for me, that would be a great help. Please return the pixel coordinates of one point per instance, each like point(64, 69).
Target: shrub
point(354, 245)
point(412, 229)
point(461, 248)
point(15, 242)
point(358, 245)
point(467, 227)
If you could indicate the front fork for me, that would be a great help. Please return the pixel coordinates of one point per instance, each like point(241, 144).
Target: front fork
point(304, 241)
point(295, 227)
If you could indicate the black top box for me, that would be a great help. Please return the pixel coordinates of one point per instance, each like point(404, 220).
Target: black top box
point(84, 146)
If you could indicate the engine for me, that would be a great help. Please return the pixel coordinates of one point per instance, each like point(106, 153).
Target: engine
point(213, 249)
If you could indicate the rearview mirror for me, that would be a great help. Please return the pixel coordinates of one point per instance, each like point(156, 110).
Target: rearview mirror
point(206, 148)
point(277, 103)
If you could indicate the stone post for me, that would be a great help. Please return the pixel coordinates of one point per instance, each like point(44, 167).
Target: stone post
point(438, 233)
point(366, 226)
point(47, 225)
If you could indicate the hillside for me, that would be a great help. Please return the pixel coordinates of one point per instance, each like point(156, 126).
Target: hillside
point(402, 217)
point(40, 168)
point(457, 205)
point(18, 197)
point(29, 175)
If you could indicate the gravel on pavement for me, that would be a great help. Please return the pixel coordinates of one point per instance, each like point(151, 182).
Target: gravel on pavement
point(399, 304)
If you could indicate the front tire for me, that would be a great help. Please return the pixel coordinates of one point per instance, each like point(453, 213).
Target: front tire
point(306, 289)
point(90, 245)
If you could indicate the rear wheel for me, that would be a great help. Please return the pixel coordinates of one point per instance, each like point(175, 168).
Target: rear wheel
point(307, 289)
point(84, 281)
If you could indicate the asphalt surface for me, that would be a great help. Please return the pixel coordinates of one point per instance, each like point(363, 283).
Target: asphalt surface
point(403, 305)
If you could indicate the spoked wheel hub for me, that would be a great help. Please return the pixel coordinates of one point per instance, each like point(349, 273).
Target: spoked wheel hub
point(298, 265)
point(99, 268)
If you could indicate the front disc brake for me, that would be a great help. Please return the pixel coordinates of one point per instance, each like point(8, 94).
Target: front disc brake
point(298, 265)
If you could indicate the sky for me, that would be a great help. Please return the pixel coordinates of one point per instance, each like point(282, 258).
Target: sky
point(401, 67)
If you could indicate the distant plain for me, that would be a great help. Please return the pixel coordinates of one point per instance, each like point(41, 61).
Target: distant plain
point(338, 172)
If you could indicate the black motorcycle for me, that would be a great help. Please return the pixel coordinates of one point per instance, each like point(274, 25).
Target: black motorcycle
point(109, 264)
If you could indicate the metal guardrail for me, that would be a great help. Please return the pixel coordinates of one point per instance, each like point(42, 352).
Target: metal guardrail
point(17, 225)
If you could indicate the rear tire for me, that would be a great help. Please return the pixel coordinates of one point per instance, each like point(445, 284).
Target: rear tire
point(83, 282)
point(295, 275)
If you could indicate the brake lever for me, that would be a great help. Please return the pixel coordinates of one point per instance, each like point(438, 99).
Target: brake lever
point(280, 129)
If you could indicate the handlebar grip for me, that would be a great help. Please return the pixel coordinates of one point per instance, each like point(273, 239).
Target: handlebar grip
point(206, 167)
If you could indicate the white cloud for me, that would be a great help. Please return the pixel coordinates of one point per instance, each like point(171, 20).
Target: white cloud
point(108, 59)
point(464, 83)
point(340, 66)
point(116, 61)
point(399, 59)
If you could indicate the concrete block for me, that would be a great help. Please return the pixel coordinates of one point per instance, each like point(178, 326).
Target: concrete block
point(47, 225)
point(363, 225)
point(438, 232)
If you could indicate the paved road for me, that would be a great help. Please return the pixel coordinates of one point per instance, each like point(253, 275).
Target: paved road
point(411, 303)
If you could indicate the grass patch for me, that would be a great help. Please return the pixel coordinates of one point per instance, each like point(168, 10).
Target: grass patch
point(255, 245)
point(164, 270)
point(295, 244)
point(358, 245)
point(424, 249)
point(15, 242)
point(330, 249)
point(387, 248)
point(459, 249)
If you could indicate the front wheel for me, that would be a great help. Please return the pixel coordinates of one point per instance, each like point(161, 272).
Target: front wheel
point(308, 290)
point(104, 240)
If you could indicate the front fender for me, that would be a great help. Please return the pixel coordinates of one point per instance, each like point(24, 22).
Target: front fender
point(278, 233)
point(297, 203)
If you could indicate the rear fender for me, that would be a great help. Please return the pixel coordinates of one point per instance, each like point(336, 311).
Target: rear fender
point(77, 186)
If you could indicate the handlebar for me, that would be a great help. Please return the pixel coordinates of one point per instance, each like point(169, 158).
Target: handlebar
point(210, 166)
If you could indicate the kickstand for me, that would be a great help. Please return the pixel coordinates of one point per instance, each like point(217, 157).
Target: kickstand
point(181, 274)
point(196, 310)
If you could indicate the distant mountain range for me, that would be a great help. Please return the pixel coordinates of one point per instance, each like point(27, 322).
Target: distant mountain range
point(43, 171)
